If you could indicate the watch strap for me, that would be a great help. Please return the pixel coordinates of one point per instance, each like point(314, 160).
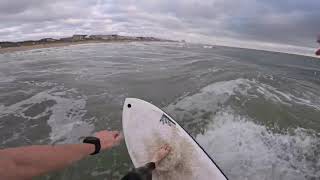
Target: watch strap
point(95, 141)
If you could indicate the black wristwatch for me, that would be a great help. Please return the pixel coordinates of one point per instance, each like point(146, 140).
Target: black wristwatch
point(95, 141)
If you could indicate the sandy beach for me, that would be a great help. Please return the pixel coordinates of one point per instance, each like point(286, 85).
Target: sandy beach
point(48, 45)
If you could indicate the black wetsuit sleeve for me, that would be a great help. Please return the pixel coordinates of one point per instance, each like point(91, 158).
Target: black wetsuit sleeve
point(141, 173)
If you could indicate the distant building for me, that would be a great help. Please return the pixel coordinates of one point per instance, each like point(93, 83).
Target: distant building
point(47, 40)
point(94, 37)
point(27, 43)
point(114, 36)
point(79, 37)
point(66, 39)
point(122, 38)
point(140, 38)
point(104, 37)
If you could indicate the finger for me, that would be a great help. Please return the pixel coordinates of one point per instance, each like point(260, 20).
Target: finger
point(108, 131)
point(119, 137)
point(117, 134)
point(117, 141)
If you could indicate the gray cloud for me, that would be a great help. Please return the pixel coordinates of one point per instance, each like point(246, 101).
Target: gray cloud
point(272, 22)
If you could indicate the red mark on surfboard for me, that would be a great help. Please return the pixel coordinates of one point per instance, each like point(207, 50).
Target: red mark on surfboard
point(318, 52)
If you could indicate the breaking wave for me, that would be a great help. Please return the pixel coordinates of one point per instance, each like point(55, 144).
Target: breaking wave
point(244, 149)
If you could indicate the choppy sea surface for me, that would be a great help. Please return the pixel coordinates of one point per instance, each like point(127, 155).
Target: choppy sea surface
point(256, 113)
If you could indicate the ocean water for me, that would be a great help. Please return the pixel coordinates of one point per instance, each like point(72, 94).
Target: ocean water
point(256, 113)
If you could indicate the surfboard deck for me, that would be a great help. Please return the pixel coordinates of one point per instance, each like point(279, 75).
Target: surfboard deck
point(146, 128)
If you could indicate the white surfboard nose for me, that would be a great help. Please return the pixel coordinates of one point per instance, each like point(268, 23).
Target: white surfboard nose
point(131, 100)
point(128, 103)
point(131, 104)
point(134, 104)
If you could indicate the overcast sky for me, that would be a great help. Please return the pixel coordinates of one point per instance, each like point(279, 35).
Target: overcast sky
point(273, 24)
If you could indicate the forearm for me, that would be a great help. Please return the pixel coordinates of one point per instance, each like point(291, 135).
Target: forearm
point(36, 160)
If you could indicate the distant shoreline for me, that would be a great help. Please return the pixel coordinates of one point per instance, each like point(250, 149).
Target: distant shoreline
point(51, 45)
point(39, 46)
point(9, 47)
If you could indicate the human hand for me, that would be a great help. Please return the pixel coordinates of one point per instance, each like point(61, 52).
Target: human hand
point(109, 139)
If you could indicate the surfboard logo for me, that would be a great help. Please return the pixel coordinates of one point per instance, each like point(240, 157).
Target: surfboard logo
point(166, 121)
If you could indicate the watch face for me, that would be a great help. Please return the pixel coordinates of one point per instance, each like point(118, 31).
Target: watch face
point(92, 138)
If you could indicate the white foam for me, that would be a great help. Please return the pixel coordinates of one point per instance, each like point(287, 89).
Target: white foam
point(221, 91)
point(5, 79)
point(272, 93)
point(67, 114)
point(41, 84)
point(207, 47)
point(228, 87)
point(246, 150)
point(211, 96)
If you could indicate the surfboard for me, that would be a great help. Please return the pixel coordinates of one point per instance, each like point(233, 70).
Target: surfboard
point(146, 128)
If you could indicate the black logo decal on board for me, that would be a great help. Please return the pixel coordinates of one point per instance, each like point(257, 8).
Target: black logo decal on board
point(166, 121)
